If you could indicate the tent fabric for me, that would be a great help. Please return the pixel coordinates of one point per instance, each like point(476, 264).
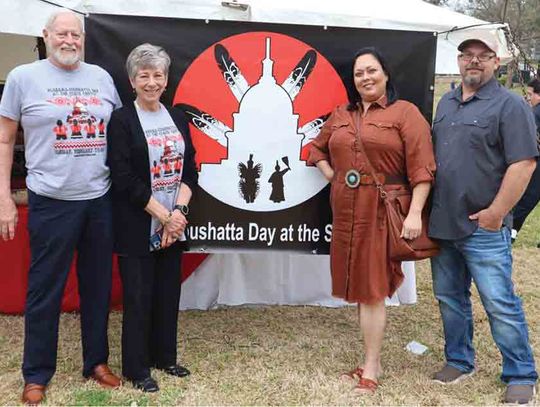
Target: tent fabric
point(383, 14)
point(272, 279)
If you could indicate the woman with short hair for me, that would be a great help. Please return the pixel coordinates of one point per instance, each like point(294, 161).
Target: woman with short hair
point(150, 211)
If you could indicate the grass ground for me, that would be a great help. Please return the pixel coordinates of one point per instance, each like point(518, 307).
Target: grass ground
point(291, 355)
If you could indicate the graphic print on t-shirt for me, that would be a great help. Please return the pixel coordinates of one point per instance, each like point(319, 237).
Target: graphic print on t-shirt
point(166, 148)
point(79, 133)
point(166, 158)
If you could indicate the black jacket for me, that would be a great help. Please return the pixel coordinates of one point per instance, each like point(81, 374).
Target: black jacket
point(127, 157)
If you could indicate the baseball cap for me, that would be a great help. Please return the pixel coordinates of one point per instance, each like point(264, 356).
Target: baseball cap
point(489, 42)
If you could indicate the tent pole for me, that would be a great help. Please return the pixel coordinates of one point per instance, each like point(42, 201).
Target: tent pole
point(42, 50)
point(52, 3)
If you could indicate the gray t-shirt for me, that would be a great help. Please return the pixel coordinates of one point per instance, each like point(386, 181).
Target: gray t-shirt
point(475, 141)
point(64, 115)
point(166, 149)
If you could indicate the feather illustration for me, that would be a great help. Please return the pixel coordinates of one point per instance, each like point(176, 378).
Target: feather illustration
point(299, 75)
point(312, 129)
point(246, 172)
point(206, 123)
point(231, 72)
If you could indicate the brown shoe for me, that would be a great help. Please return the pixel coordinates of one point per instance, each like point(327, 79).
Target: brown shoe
point(450, 375)
point(519, 393)
point(33, 394)
point(103, 375)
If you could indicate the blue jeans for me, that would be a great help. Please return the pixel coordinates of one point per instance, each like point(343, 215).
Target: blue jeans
point(486, 258)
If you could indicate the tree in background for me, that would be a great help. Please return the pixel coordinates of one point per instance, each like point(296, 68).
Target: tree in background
point(455, 5)
point(523, 17)
point(437, 2)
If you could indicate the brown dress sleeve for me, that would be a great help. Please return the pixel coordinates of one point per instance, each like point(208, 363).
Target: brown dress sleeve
point(419, 158)
point(319, 146)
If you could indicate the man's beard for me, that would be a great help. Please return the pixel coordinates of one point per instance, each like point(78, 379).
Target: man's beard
point(63, 58)
point(472, 81)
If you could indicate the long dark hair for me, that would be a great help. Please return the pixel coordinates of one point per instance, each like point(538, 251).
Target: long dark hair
point(535, 85)
point(391, 91)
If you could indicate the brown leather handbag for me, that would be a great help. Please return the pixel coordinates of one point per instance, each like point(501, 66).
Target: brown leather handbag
point(397, 204)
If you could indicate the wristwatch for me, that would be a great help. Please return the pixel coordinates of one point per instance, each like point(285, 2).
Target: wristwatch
point(184, 209)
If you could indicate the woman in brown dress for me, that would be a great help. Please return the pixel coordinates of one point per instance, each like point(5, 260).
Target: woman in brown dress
point(397, 141)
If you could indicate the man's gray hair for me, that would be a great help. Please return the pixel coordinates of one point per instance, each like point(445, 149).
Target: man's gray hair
point(52, 18)
point(147, 56)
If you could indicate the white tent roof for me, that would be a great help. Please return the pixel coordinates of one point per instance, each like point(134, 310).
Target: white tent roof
point(27, 17)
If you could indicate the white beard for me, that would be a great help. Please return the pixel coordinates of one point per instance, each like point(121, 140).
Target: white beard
point(63, 58)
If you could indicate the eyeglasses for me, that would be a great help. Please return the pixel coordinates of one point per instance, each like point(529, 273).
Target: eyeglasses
point(482, 57)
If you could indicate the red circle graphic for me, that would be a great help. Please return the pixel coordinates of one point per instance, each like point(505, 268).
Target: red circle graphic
point(204, 87)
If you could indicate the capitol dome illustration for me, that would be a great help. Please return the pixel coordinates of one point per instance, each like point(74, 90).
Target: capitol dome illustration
point(265, 143)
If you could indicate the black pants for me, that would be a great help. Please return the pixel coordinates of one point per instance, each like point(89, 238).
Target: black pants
point(56, 229)
point(151, 288)
point(529, 199)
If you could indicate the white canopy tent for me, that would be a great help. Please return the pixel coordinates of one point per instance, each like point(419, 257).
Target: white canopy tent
point(270, 278)
point(27, 17)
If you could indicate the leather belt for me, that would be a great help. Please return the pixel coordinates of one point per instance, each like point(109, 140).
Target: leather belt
point(354, 178)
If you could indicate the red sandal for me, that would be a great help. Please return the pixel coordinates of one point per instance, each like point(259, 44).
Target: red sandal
point(366, 386)
point(354, 374)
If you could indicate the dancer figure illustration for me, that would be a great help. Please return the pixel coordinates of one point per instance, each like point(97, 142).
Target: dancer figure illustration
point(249, 174)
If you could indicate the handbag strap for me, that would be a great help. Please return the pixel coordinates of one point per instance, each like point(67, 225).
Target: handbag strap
point(358, 139)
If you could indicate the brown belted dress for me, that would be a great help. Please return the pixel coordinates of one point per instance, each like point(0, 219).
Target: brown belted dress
point(397, 140)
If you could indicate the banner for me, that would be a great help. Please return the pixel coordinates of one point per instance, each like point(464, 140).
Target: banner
point(256, 95)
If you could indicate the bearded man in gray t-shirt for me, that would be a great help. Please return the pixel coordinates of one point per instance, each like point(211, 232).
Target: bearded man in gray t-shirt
point(59, 103)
